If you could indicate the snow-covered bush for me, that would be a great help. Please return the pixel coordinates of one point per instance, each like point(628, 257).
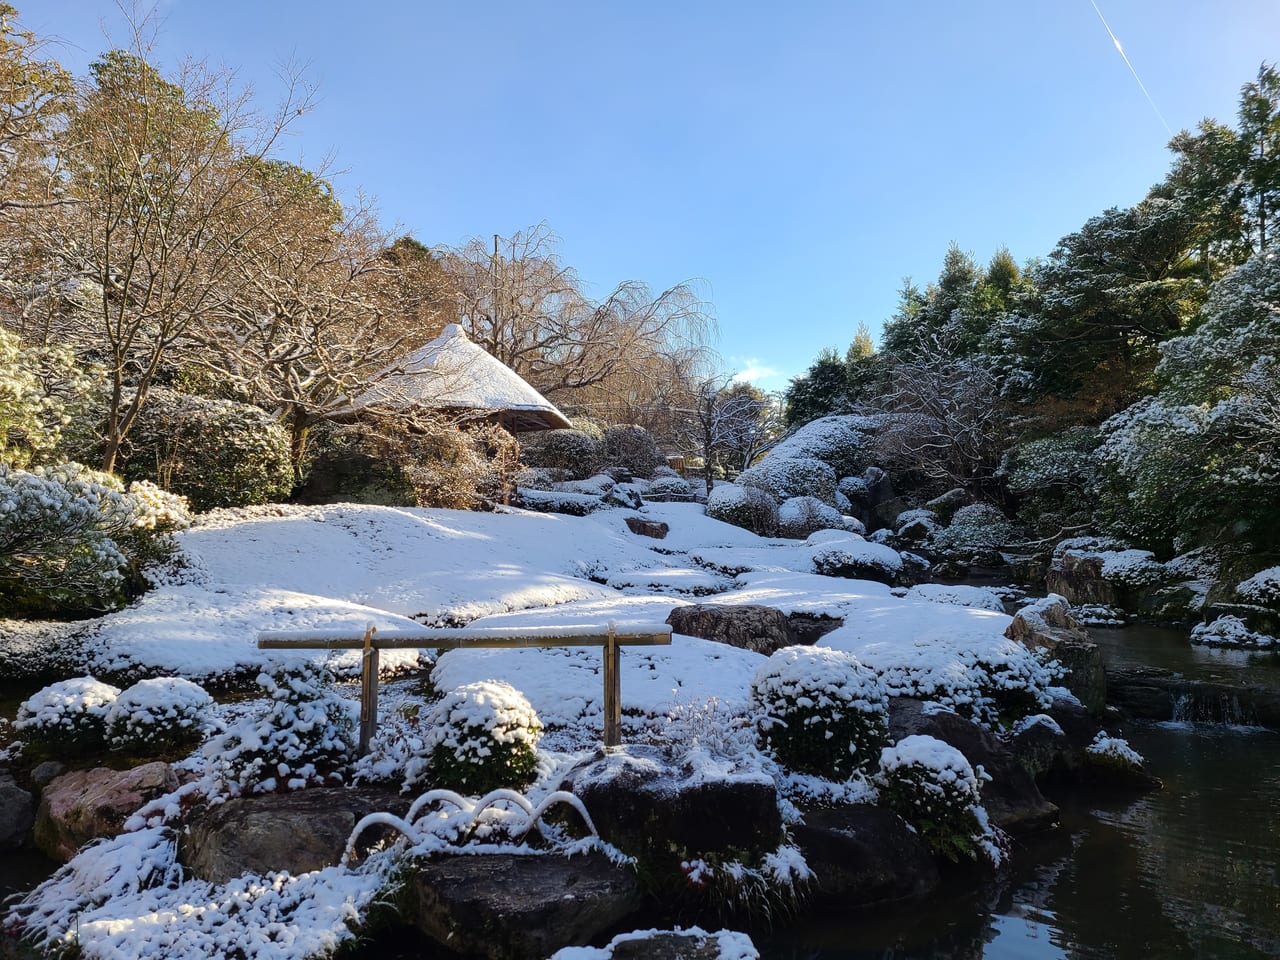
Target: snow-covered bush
point(307, 731)
point(669, 488)
point(479, 737)
point(158, 715)
point(841, 442)
point(856, 559)
point(1229, 631)
point(574, 451)
point(801, 516)
point(633, 449)
point(1263, 588)
point(980, 598)
point(748, 507)
point(787, 477)
point(1132, 568)
point(820, 711)
point(216, 453)
point(932, 786)
point(73, 540)
point(558, 501)
point(67, 718)
point(915, 524)
point(42, 389)
point(977, 531)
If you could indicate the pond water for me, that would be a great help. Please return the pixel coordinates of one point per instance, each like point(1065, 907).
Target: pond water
point(1192, 871)
point(1147, 645)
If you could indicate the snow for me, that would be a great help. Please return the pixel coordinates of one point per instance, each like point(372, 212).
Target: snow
point(1263, 587)
point(730, 944)
point(980, 598)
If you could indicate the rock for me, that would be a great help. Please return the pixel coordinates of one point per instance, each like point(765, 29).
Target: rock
point(1047, 624)
point(946, 505)
point(1011, 796)
point(862, 854)
point(86, 804)
point(886, 513)
point(299, 831)
point(809, 628)
point(1026, 568)
point(651, 807)
point(512, 907)
point(648, 528)
point(17, 812)
point(623, 495)
point(44, 773)
point(746, 626)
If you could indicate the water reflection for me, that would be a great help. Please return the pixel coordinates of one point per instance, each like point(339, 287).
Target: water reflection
point(1190, 872)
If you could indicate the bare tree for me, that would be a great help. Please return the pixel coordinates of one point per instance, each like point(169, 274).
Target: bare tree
point(946, 422)
point(518, 300)
point(733, 420)
point(155, 175)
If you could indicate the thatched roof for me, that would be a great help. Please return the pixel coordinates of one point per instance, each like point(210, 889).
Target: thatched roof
point(452, 373)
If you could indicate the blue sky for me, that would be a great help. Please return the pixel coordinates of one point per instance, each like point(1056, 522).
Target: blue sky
point(799, 160)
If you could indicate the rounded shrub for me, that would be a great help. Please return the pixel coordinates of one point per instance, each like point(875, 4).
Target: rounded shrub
point(216, 453)
point(933, 787)
point(669, 488)
point(787, 477)
point(748, 507)
point(478, 737)
point(67, 718)
point(976, 532)
point(158, 716)
point(574, 451)
point(307, 731)
point(801, 516)
point(820, 711)
point(633, 449)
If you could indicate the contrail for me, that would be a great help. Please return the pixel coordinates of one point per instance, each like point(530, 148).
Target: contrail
point(1124, 56)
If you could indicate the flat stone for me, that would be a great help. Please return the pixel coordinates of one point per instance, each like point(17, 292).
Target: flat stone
point(656, 529)
point(299, 831)
point(512, 907)
point(745, 626)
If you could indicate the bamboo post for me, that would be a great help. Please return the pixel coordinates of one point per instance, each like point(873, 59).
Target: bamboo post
point(368, 690)
point(612, 691)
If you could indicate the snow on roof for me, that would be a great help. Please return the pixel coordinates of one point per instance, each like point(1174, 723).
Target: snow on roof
point(452, 373)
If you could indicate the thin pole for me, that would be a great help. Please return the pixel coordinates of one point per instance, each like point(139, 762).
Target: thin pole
point(368, 690)
point(612, 691)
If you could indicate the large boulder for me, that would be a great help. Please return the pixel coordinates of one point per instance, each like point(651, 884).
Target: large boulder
point(514, 907)
point(1047, 624)
point(84, 805)
point(648, 528)
point(862, 854)
point(746, 626)
point(299, 831)
point(17, 812)
point(653, 807)
point(1011, 796)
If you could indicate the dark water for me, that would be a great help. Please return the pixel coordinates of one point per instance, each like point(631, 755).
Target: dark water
point(1144, 645)
point(1192, 871)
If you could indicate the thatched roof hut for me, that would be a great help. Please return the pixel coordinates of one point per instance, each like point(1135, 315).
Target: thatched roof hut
point(453, 375)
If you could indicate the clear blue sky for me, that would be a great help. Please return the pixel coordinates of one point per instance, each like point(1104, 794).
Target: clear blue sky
point(799, 159)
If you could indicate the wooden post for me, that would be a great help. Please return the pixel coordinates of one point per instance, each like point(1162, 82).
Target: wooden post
point(612, 691)
point(368, 690)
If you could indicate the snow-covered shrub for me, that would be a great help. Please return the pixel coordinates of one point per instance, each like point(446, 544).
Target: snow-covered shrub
point(841, 442)
point(68, 717)
point(73, 540)
point(748, 507)
point(980, 598)
point(820, 711)
point(633, 449)
point(1052, 477)
point(1263, 588)
point(306, 731)
point(558, 501)
point(1133, 568)
point(976, 531)
point(915, 524)
point(463, 469)
point(792, 477)
point(932, 786)
point(479, 737)
point(42, 389)
point(158, 715)
point(801, 516)
point(1229, 631)
point(574, 451)
point(216, 453)
point(857, 559)
point(596, 485)
point(669, 488)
